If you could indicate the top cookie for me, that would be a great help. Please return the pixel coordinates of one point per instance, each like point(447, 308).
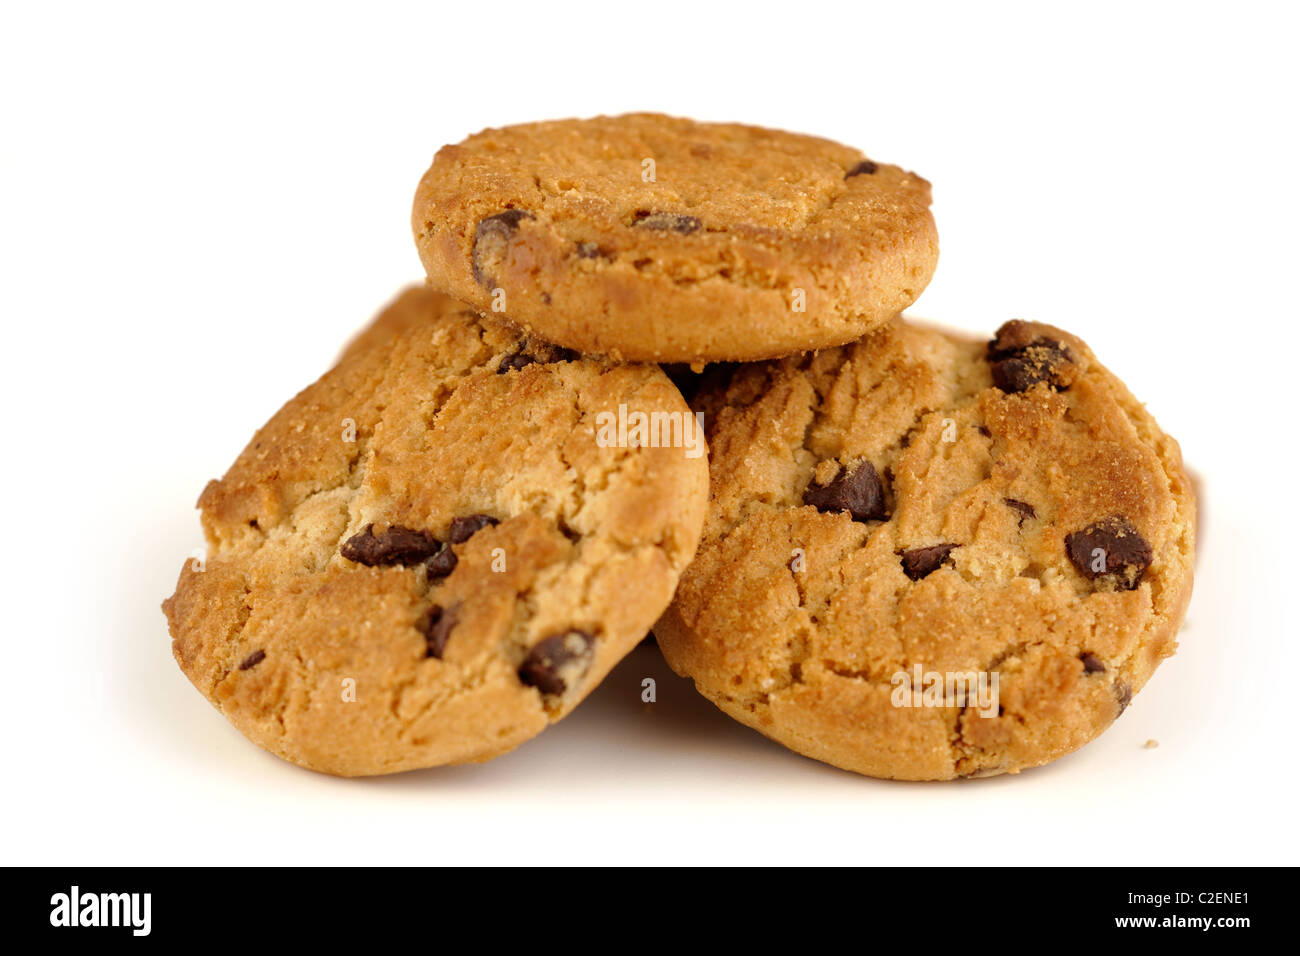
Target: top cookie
point(896, 521)
point(438, 548)
point(652, 238)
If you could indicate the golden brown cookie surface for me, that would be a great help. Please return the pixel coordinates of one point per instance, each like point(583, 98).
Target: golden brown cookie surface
point(428, 555)
point(653, 238)
point(918, 506)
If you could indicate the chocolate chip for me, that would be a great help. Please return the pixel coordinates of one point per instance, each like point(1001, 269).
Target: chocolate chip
point(442, 563)
point(490, 239)
point(252, 660)
point(1016, 336)
point(1123, 695)
point(1110, 550)
point(515, 361)
point(859, 492)
point(397, 545)
point(436, 628)
point(543, 353)
point(462, 529)
point(1026, 510)
point(588, 250)
point(545, 664)
point(1019, 374)
point(546, 298)
point(918, 562)
point(666, 222)
point(866, 167)
point(1091, 663)
point(1022, 354)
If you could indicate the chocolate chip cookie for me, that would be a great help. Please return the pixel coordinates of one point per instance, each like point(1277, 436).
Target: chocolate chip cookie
point(430, 555)
point(929, 557)
point(647, 237)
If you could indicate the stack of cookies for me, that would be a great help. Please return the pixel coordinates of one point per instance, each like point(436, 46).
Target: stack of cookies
point(908, 553)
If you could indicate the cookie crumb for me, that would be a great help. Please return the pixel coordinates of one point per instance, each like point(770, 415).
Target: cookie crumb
point(1151, 744)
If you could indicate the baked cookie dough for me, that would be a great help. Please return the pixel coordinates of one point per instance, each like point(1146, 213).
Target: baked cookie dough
point(653, 238)
point(919, 510)
point(429, 555)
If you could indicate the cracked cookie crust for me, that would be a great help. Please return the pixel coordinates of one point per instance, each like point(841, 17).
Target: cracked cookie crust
point(427, 556)
point(922, 503)
point(652, 238)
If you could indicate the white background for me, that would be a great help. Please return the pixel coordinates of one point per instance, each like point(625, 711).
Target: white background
point(198, 205)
